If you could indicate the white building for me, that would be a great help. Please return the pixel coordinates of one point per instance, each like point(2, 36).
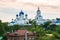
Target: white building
point(39, 18)
point(21, 19)
point(56, 21)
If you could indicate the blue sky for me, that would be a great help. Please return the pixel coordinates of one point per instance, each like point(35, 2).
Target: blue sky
point(50, 9)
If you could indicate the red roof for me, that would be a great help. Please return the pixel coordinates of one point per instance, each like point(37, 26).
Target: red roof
point(20, 33)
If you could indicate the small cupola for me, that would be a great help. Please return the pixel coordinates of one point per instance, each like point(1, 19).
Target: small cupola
point(16, 15)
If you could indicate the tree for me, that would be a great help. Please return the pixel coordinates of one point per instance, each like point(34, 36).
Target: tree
point(52, 27)
point(2, 29)
point(47, 24)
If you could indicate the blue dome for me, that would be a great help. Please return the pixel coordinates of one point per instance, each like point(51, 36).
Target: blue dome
point(17, 15)
point(40, 16)
point(58, 21)
point(21, 13)
point(12, 22)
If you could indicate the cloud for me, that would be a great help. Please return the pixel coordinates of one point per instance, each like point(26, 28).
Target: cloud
point(8, 10)
point(11, 7)
point(30, 4)
point(8, 0)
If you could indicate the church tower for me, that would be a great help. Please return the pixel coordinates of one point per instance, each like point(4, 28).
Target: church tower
point(39, 19)
point(38, 16)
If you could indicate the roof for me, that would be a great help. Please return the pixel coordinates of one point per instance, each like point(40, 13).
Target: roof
point(21, 13)
point(58, 21)
point(20, 33)
point(17, 15)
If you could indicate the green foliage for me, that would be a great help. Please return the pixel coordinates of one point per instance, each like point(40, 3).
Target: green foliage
point(43, 32)
point(2, 29)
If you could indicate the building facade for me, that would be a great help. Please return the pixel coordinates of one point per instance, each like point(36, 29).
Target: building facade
point(21, 35)
point(56, 21)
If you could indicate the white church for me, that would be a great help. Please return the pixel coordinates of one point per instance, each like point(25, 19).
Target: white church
point(22, 19)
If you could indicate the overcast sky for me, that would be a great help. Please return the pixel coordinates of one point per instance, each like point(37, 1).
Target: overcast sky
point(50, 9)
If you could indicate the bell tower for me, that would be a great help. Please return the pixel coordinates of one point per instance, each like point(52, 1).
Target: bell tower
point(38, 16)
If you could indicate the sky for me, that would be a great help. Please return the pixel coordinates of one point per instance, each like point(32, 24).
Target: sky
point(50, 9)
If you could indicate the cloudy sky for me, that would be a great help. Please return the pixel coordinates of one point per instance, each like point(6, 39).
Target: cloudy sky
point(50, 9)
